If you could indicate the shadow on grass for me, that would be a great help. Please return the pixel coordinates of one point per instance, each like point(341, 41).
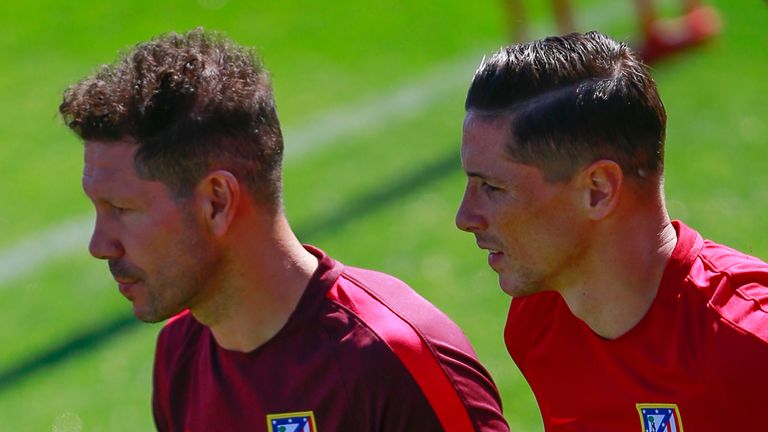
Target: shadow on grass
point(94, 338)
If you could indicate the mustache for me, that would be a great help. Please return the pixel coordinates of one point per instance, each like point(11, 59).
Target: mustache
point(123, 270)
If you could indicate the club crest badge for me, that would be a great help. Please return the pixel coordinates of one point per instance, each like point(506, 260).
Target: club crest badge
point(660, 418)
point(291, 422)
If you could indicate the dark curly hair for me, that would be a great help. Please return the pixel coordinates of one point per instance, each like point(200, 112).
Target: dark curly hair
point(572, 100)
point(192, 102)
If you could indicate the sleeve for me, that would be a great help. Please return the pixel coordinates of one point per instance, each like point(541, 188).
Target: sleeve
point(734, 356)
point(473, 386)
point(430, 348)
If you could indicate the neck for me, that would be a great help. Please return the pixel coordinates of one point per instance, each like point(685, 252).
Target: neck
point(622, 274)
point(266, 273)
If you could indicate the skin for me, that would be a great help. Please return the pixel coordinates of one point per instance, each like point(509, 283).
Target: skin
point(528, 225)
point(233, 262)
point(155, 248)
point(599, 239)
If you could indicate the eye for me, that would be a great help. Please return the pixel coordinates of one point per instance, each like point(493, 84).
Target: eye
point(117, 209)
point(489, 188)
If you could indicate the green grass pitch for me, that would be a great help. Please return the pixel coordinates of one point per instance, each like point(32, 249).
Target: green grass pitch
point(371, 96)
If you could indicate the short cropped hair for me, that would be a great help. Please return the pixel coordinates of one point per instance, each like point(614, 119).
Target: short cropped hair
point(192, 102)
point(572, 100)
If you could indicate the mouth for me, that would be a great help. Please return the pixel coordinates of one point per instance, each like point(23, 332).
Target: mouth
point(488, 247)
point(125, 286)
point(495, 259)
point(495, 256)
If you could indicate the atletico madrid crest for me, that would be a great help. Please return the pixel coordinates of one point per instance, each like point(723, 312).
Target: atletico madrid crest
point(660, 417)
point(291, 422)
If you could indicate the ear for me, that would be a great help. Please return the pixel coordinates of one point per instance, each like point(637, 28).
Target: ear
point(220, 194)
point(602, 181)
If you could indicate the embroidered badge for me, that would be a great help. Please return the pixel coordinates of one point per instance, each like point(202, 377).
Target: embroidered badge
point(291, 422)
point(660, 417)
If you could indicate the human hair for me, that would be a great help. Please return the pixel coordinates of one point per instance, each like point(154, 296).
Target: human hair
point(572, 100)
point(192, 103)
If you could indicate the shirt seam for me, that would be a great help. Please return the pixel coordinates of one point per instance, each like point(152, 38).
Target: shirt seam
point(427, 342)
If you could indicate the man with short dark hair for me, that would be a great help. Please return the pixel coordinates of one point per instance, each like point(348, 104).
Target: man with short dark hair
point(183, 153)
point(621, 319)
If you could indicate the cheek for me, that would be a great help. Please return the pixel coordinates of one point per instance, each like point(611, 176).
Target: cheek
point(515, 229)
point(533, 228)
point(154, 238)
point(560, 231)
point(187, 243)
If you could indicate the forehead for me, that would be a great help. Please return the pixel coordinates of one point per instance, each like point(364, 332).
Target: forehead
point(484, 140)
point(485, 130)
point(106, 160)
point(109, 174)
point(484, 151)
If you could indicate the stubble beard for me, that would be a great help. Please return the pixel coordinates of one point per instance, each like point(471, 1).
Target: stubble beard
point(520, 282)
point(188, 271)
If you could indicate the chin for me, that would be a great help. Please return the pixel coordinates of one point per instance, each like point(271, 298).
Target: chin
point(149, 315)
point(144, 317)
point(515, 288)
point(512, 292)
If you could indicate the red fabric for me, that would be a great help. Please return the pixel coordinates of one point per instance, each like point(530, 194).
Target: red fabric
point(702, 347)
point(330, 359)
point(413, 351)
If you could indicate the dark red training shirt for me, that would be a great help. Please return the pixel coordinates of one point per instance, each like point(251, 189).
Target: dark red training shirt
point(361, 352)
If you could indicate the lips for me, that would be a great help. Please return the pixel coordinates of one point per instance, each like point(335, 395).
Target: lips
point(125, 286)
point(126, 276)
point(495, 259)
point(487, 246)
point(495, 256)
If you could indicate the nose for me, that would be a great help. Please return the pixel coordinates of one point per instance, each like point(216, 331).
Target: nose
point(103, 244)
point(468, 218)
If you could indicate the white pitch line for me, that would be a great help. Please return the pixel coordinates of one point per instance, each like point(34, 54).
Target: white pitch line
point(381, 110)
point(329, 127)
point(37, 250)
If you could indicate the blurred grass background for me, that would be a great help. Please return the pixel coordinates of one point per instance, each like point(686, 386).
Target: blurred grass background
point(379, 191)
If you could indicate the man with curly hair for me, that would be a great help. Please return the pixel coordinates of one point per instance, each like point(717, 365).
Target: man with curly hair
point(621, 318)
point(183, 153)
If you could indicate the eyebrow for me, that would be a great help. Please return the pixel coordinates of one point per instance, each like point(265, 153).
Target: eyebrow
point(482, 176)
point(96, 192)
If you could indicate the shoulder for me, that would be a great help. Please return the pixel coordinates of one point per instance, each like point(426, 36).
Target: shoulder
point(735, 286)
point(399, 330)
point(731, 338)
point(373, 295)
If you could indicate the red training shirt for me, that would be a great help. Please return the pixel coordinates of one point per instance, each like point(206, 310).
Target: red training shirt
point(698, 360)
